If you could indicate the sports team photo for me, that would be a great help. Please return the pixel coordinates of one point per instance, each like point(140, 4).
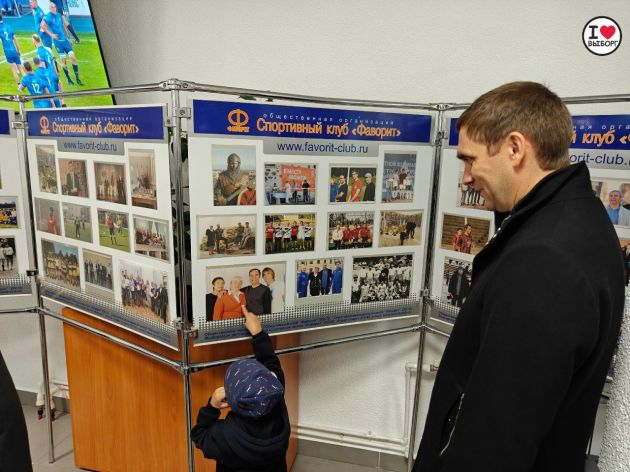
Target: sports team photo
point(8, 212)
point(294, 232)
point(61, 264)
point(399, 170)
point(381, 278)
point(319, 281)
point(350, 230)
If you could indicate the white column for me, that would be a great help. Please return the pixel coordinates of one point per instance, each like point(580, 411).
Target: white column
point(615, 451)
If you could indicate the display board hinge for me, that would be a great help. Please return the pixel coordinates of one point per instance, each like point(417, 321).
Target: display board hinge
point(439, 136)
point(19, 124)
point(192, 333)
point(424, 292)
point(182, 112)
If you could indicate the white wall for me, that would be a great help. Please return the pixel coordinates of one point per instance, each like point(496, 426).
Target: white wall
point(427, 51)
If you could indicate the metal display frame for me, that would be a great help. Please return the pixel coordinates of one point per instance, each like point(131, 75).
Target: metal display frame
point(186, 332)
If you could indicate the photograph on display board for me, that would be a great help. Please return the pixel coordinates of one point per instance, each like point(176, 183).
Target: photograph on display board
point(0, 177)
point(467, 196)
point(46, 168)
point(400, 228)
point(226, 235)
point(151, 237)
point(8, 257)
point(399, 173)
point(456, 280)
point(352, 184)
point(258, 287)
point(98, 273)
point(8, 214)
point(350, 230)
point(110, 182)
point(290, 184)
point(77, 222)
point(113, 229)
point(144, 291)
point(142, 178)
point(48, 216)
point(615, 196)
point(381, 278)
point(73, 176)
point(319, 281)
point(61, 264)
point(625, 251)
point(292, 232)
point(234, 175)
point(464, 234)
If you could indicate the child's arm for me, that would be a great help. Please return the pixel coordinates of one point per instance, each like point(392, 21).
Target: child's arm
point(263, 349)
point(204, 432)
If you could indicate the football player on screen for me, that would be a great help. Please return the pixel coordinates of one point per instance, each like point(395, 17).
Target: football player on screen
point(53, 25)
point(11, 49)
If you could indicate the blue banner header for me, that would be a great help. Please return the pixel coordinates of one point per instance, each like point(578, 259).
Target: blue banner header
point(589, 132)
point(113, 123)
point(5, 123)
point(254, 119)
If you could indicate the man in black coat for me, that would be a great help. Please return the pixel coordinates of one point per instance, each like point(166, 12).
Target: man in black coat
point(458, 286)
point(14, 451)
point(519, 382)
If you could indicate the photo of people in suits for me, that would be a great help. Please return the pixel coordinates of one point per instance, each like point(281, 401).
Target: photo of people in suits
point(144, 291)
point(319, 281)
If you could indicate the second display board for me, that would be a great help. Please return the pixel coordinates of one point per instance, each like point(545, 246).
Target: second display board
point(301, 207)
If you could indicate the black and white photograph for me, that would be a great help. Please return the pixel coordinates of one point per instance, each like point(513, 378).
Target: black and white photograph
point(400, 228)
point(46, 168)
point(350, 230)
point(381, 278)
point(290, 184)
point(319, 281)
point(98, 273)
point(77, 222)
point(151, 237)
point(144, 291)
point(227, 235)
point(8, 257)
point(456, 280)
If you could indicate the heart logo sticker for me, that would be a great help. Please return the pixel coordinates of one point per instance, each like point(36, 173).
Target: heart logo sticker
point(607, 31)
point(601, 35)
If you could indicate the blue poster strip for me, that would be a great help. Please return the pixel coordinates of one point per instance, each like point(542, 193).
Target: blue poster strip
point(5, 123)
point(589, 132)
point(113, 123)
point(264, 120)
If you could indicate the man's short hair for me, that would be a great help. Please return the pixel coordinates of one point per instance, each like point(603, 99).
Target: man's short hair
point(36, 61)
point(28, 67)
point(529, 108)
point(270, 271)
point(254, 270)
point(36, 38)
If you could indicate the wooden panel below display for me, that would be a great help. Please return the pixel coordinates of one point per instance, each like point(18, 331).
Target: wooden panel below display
point(128, 411)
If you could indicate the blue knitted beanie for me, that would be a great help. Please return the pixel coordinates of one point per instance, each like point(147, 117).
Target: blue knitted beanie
point(251, 389)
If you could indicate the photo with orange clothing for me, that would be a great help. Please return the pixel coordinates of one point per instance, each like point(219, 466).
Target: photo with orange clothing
point(352, 184)
point(234, 175)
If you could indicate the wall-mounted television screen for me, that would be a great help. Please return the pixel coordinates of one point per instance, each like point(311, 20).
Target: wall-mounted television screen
point(50, 46)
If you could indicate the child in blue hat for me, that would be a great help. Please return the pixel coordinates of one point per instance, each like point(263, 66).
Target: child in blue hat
point(254, 436)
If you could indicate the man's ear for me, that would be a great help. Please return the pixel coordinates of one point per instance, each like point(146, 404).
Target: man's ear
point(516, 144)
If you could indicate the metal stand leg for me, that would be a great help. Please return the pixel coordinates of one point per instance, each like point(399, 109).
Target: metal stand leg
point(47, 399)
point(187, 396)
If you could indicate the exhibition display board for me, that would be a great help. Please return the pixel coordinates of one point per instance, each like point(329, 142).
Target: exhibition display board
point(100, 182)
point(316, 216)
point(15, 250)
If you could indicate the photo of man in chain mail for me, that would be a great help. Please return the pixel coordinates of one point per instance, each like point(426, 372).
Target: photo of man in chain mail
point(234, 175)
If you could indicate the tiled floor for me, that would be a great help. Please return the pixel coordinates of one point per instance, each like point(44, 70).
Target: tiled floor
point(64, 462)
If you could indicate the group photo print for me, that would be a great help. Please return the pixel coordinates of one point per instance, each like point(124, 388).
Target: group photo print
point(381, 278)
point(151, 238)
point(293, 232)
point(400, 228)
point(259, 288)
point(464, 233)
point(110, 182)
point(8, 212)
point(98, 274)
point(350, 230)
point(61, 264)
point(144, 291)
point(77, 222)
point(352, 184)
point(227, 235)
point(319, 281)
point(234, 175)
point(142, 178)
point(290, 184)
point(399, 171)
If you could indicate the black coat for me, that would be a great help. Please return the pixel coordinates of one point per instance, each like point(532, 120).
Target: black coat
point(14, 451)
point(519, 382)
point(246, 444)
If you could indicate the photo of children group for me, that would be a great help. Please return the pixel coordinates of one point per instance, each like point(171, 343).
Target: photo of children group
point(8, 258)
point(258, 288)
point(350, 230)
point(615, 196)
point(289, 233)
point(8, 212)
point(464, 234)
point(352, 184)
point(456, 280)
point(380, 278)
point(61, 264)
point(398, 177)
point(144, 290)
point(400, 228)
point(234, 175)
point(319, 280)
point(290, 184)
point(226, 235)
